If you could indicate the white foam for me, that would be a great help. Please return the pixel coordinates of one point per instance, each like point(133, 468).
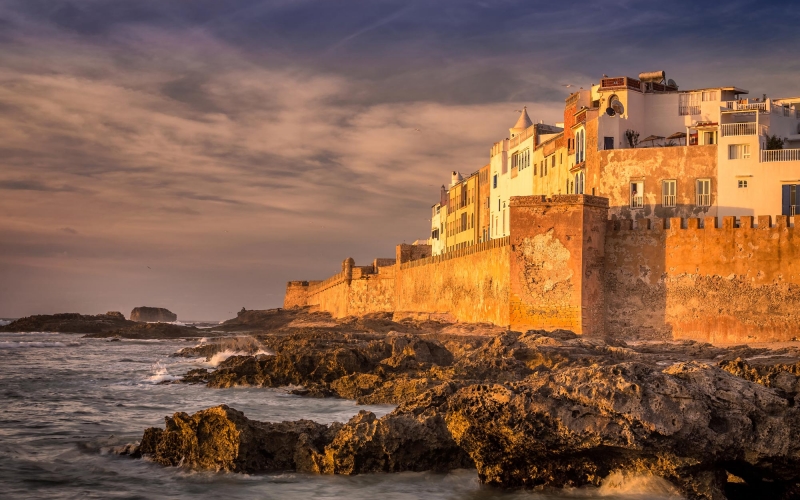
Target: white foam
point(25, 345)
point(4, 322)
point(160, 374)
point(221, 356)
point(637, 486)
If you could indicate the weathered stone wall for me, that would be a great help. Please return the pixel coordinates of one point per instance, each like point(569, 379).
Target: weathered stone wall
point(557, 262)
point(613, 170)
point(566, 266)
point(717, 284)
point(468, 285)
point(296, 294)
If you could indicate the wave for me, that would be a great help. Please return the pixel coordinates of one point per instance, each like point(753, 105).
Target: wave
point(26, 345)
point(221, 356)
point(159, 374)
point(629, 486)
point(4, 322)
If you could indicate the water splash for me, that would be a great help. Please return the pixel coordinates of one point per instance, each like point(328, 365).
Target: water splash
point(159, 374)
point(221, 356)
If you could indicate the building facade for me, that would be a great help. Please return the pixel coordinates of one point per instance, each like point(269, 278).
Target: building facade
point(654, 150)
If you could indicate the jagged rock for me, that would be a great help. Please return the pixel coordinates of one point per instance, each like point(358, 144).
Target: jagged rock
point(691, 424)
point(137, 330)
point(221, 438)
point(153, 315)
point(69, 323)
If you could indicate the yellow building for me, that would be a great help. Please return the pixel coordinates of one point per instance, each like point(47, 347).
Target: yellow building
point(462, 228)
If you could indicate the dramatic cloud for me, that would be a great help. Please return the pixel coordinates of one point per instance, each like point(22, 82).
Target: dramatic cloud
point(196, 155)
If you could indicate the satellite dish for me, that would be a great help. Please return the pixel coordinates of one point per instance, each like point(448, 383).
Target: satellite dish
point(672, 83)
point(617, 106)
point(610, 112)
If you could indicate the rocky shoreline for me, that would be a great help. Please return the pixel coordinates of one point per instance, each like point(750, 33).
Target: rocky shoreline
point(533, 410)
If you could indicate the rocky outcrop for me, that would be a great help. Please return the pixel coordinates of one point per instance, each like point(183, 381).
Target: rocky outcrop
point(137, 330)
point(222, 438)
point(69, 323)
point(153, 315)
point(690, 423)
point(712, 434)
point(544, 410)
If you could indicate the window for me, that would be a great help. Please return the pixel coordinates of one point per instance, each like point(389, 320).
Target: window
point(709, 138)
point(494, 181)
point(709, 95)
point(791, 200)
point(578, 186)
point(738, 151)
point(498, 204)
point(689, 104)
point(703, 193)
point(637, 194)
point(580, 146)
point(742, 183)
point(608, 143)
point(553, 161)
point(463, 222)
point(668, 189)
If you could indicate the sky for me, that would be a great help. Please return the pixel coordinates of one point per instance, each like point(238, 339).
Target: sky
point(198, 154)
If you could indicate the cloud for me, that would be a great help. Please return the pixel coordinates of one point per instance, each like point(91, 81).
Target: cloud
point(34, 185)
point(236, 145)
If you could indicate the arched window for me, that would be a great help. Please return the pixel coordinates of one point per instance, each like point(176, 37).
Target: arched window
point(579, 183)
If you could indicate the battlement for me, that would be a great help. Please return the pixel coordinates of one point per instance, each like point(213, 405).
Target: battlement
point(455, 254)
point(761, 222)
point(566, 266)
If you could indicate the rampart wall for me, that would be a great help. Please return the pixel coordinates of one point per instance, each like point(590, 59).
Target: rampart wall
point(469, 285)
point(698, 279)
point(565, 265)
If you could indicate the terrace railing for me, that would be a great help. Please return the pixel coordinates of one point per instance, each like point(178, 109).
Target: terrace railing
point(734, 129)
point(771, 155)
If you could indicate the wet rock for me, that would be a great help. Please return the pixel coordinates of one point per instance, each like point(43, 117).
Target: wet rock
point(691, 424)
point(69, 323)
point(136, 330)
point(153, 314)
point(223, 439)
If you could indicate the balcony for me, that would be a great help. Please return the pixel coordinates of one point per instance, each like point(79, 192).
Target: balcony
point(637, 201)
point(745, 105)
point(736, 129)
point(773, 155)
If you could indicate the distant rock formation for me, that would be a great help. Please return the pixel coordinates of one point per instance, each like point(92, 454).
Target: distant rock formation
point(153, 314)
point(69, 323)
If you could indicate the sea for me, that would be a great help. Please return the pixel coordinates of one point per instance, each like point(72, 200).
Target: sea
point(66, 402)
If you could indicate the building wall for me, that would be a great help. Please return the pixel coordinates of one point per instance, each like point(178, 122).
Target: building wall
point(612, 171)
point(566, 266)
point(716, 284)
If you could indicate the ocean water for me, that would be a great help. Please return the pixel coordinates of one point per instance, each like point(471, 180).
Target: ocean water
point(66, 401)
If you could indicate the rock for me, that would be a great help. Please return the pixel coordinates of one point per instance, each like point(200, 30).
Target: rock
point(691, 424)
point(153, 315)
point(69, 323)
point(152, 331)
point(223, 439)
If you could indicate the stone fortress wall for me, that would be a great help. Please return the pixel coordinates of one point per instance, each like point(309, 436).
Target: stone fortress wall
point(565, 265)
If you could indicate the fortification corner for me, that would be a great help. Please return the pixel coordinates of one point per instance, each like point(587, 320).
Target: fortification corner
point(557, 260)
